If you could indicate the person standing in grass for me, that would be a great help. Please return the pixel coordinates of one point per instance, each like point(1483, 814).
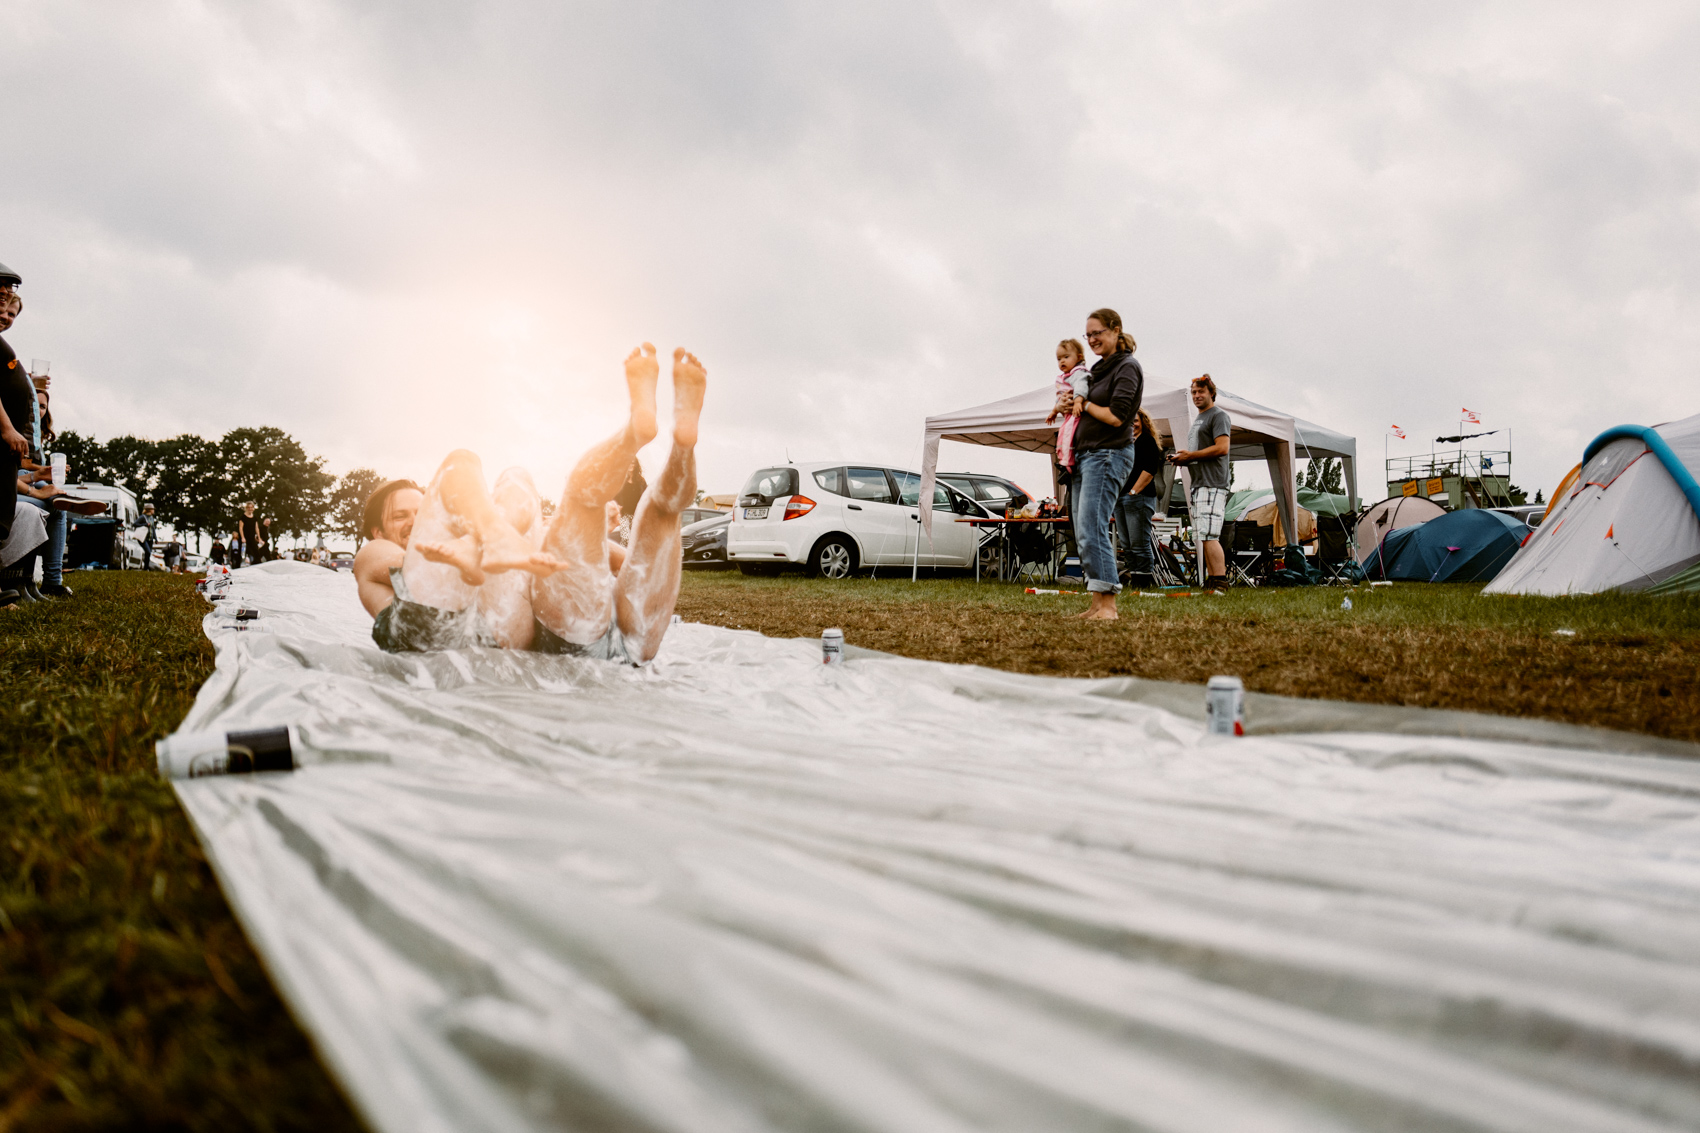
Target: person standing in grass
point(1139, 499)
point(1211, 477)
point(1103, 446)
point(17, 402)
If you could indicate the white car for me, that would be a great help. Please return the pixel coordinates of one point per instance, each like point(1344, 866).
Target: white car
point(835, 518)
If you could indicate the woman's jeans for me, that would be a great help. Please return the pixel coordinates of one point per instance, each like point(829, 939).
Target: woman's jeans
point(1133, 529)
point(53, 562)
point(1102, 472)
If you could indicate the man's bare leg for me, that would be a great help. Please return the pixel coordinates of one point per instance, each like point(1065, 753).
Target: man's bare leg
point(648, 585)
point(577, 603)
point(460, 538)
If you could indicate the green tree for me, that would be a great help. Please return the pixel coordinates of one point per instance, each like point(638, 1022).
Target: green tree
point(270, 468)
point(1323, 474)
point(348, 501)
point(189, 488)
point(133, 463)
point(84, 456)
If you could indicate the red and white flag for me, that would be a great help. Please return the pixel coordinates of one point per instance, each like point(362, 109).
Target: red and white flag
point(1398, 432)
point(1470, 416)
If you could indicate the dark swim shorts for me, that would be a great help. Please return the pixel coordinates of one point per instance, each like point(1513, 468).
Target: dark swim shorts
point(406, 626)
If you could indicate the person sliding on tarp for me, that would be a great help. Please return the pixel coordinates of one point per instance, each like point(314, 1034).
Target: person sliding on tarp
point(468, 567)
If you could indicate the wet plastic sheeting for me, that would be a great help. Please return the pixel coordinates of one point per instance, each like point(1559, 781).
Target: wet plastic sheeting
point(739, 891)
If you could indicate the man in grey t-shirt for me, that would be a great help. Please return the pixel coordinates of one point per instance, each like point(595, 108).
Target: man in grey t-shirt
point(1207, 454)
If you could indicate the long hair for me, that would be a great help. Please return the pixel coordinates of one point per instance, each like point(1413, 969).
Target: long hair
point(1146, 428)
point(1113, 321)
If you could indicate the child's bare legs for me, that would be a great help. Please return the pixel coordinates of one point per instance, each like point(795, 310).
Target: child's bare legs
point(504, 600)
point(460, 538)
point(648, 585)
point(578, 602)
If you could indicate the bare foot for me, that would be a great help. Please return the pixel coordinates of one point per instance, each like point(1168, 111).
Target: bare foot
point(690, 382)
point(1108, 615)
point(642, 375)
point(462, 554)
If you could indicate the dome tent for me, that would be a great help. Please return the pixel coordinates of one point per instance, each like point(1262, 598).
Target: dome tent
point(1389, 516)
point(1471, 545)
point(1630, 520)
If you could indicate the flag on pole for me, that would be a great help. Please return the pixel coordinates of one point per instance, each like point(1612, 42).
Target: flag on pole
point(1398, 432)
point(1470, 416)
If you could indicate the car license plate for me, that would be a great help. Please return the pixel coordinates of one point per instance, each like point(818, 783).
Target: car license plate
point(755, 513)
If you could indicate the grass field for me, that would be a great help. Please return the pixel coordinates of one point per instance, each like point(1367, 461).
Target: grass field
point(1629, 663)
point(129, 999)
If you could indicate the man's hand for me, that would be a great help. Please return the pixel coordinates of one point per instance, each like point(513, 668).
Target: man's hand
point(15, 441)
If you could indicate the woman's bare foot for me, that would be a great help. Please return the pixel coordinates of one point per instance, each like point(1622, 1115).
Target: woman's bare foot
point(690, 382)
point(462, 554)
point(1102, 609)
point(643, 372)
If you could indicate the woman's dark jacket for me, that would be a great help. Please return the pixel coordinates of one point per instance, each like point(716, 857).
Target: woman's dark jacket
point(1118, 383)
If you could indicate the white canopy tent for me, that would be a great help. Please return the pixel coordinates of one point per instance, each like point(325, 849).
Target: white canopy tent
point(1258, 433)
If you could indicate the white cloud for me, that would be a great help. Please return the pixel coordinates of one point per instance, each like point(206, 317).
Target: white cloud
point(395, 229)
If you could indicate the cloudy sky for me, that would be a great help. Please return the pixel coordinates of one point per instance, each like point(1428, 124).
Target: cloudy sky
point(396, 228)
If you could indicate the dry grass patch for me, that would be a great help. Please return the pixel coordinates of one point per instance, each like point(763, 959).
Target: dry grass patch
point(1633, 662)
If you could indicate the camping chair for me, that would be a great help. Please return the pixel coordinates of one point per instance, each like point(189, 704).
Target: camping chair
point(1172, 560)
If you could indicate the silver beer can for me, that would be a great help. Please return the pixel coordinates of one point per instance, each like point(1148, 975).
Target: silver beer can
point(832, 647)
point(191, 755)
point(1224, 706)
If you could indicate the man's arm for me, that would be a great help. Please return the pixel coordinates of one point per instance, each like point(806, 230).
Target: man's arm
point(11, 438)
point(1220, 448)
point(372, 573)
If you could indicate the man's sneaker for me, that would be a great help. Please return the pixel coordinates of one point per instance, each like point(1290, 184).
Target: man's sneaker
point(10, 598)
point(55, 590)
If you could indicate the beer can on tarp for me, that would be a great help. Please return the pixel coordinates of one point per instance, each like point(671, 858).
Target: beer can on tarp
point(1224, 706)
point(832, 647)
point(191, 755)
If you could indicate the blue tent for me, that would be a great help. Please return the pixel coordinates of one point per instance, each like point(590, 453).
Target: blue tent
point(1471, 545)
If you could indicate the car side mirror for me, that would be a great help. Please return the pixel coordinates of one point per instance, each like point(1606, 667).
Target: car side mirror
point(962, 505)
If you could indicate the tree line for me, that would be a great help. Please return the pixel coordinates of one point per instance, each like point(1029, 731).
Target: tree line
point(199, 486)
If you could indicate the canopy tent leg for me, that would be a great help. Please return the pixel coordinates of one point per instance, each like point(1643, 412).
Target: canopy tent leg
point(1279, 455)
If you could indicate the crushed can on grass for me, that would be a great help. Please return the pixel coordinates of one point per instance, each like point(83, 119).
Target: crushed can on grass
point(832, 647)
point(192, 755)
point(1224, 706)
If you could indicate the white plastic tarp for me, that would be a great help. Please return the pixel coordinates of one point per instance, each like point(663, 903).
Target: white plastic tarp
point(736, 890)
point(1259, 433)
point(1624, 524)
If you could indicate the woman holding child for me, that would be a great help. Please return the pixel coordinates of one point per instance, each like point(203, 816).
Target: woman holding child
point(1103, 453)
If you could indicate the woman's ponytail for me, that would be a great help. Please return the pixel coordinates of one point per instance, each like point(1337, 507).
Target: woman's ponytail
point(1124, 341)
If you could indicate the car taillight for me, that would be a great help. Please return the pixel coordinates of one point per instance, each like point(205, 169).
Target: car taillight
point(799, 505)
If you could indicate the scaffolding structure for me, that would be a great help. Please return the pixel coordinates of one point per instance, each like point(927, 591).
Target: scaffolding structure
point(1456, 479)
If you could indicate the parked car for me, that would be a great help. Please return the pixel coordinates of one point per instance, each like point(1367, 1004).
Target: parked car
point(993, 492)
point(834, 519)
point(105, 542)
point(342, 560)
point(704, 542)
point(697, 514)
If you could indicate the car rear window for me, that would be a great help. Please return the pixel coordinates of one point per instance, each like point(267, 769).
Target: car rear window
point(867, 484)
point(766, 485)
point(992, 490)
point(832, 479)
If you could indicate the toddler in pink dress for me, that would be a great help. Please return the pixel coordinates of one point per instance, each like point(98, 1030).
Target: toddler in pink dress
point(1073, 380)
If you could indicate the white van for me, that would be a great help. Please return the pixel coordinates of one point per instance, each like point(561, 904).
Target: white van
point(835, 518)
